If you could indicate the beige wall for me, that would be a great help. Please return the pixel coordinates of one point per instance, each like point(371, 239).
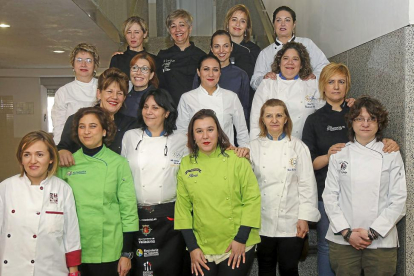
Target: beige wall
point(14, 126)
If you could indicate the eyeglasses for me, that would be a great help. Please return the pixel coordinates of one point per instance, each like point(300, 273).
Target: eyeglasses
point(362, 119)
point(80, 60)
point(144, 69)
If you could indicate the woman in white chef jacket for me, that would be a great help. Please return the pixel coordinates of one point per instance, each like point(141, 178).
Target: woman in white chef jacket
point(38, 222)
point(364, 196)
point(283, 167)
point(209, 95)
point(154, 153)
point(292, 65)
point(284, 23)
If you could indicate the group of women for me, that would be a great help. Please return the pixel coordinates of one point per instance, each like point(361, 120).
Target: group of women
point(173, 154)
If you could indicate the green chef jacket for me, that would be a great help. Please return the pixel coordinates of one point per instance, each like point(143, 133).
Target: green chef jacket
point(105, 203)
point(215, 195)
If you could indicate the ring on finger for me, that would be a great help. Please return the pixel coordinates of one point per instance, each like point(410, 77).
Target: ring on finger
point(239, 257)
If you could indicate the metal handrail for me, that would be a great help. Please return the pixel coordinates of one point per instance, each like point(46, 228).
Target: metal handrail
point(266, 22)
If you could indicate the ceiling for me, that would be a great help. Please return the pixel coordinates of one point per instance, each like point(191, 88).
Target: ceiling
point(38, 27)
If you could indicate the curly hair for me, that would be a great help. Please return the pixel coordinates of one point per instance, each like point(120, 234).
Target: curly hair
point(222, 140)
point(287, 128)
point(31, 138)
point(164, 100)
point(104, 119)
point(374, 108)
point(306, 68)
point(88, 48)
point(245, 10)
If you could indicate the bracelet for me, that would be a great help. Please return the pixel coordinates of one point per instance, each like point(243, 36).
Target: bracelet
point(77, 273)
point(347, 235)
point(372, 234)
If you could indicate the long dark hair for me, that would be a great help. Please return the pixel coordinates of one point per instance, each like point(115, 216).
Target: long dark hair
point(223, 141)
point(163, 99)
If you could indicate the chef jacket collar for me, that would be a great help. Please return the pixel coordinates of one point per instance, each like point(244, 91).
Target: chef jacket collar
point(215, 93)
point(283, 78)
point(281, 136)
point(28, 182)
point(278, 43)
point(328, 107)
point(148, 132)
point(214, 154)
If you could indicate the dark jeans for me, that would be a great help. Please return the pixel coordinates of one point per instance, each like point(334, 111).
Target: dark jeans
point(102, 269)
point(222, 269)
point(283, 251)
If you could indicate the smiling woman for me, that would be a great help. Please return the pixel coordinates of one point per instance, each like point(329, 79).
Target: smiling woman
point(106, 206)
point(79, 93)
point(291, 65)
point(111, 94)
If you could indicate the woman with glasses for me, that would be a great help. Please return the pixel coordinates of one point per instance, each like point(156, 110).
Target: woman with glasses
point(364, 196)
point(79, 93)
point(283, 168)
point(154, 151)
point(111, 94)
point(143, 76)
point(135, 31)
point(325, 133)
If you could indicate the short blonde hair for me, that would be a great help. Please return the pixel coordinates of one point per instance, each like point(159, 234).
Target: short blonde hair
point(88, 48)
point(178, 14)
point(31, 138)
point(241, 8)
point(329, 71)
point(135, 20)
point(287, 128)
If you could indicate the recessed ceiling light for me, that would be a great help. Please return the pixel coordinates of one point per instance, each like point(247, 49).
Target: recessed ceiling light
point(4, 26)
point(58, 51)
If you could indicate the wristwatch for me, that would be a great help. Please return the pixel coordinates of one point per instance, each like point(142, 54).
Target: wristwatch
point(128, 255)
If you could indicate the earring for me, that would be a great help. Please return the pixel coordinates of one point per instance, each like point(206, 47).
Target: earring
point(245, 33)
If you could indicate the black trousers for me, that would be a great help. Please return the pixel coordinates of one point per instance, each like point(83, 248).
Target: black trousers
point(222, 269)
point(159, 249)
point(283, 251)
point(102, 269)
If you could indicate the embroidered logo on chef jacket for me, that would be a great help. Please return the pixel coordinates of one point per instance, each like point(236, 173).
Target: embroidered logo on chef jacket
point(292, 165)
point(147, 269)
point(176, 160)
point(166, 64)
point(193, 172)
point(53, 198)
point(69, 173)
point(151, 252)
point(139, 252)
point(343, 166)
point(146, 240)
point(331, 128)
point(310, 101)
point(146, 230)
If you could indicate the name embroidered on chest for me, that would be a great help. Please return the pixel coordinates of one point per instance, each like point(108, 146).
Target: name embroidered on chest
point(166, 64)
point(193, 172)
point(331, 128)
point(69, 173)
point(343, 166)
point(53, 198)
point(310, 101)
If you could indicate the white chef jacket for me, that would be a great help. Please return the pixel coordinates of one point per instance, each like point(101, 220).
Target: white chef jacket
point(267, 56)
point(302, 98)
point(225, 104)
point(38, 226)
point(154, 174)
point(365, 188)
point(68, 99)
point(287, 184)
